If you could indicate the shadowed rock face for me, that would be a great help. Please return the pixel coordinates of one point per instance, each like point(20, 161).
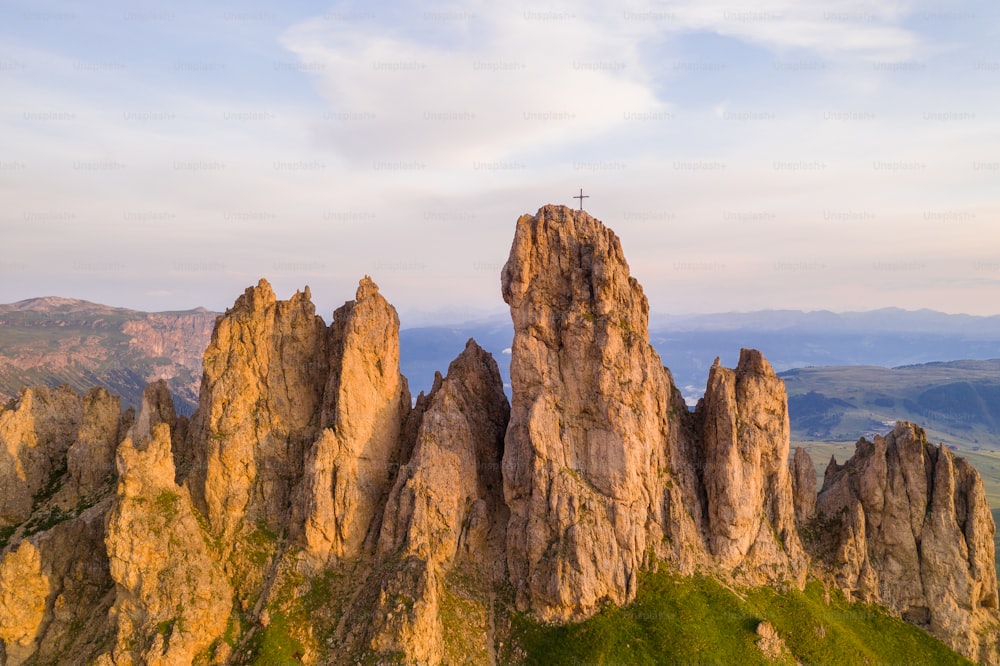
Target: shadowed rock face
point(803, 486)
point(906, 524)
point(446, 510)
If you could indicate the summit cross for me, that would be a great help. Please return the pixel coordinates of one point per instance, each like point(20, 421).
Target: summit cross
point(581, 197)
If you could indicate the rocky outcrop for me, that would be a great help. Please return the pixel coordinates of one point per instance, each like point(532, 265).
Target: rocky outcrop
point(308, 514)
point(446, 510)
point(906, 524)
point(584, 466)
point(365, 405)
point(56, 590)
point(35, 434)
point(54, 579)
point(171, 598)
point(265, 370)
point(56, 448)
point(748, 488)
point(23, 590)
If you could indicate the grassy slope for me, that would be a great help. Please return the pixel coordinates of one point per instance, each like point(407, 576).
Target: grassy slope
point(699, 621)
point(951, 401)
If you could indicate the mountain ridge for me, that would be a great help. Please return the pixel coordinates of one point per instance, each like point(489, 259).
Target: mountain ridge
point(310, 511)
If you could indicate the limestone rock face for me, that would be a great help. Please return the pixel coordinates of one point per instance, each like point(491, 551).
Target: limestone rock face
point(24, 588)
point(907, 525)
point(264, 373)
point(446, 509)
point(35, 434)
point(56, 473)
point(803, 486)
point(171, 598)
point(584, 461)
point(365, 405)
point(55, 591)
point(751, 514)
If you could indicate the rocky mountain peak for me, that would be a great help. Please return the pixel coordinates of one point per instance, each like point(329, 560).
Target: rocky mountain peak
point(584, 464)
point(254, 299)
point(446, 513)
point(308, 513)
point(364, 408)
point(366, 288)
point(264, 374)
point(564, 262)
point(157, 407)
point(906, 524)
point(750, 504)
point(752, 362)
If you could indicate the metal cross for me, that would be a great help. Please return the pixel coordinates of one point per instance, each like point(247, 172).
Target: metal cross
point(581, 197)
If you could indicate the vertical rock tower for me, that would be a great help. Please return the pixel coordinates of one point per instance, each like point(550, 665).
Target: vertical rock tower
point(906, 524)
point(265, 370)
point(748, 486)
point(584, 460)
point(365, 403)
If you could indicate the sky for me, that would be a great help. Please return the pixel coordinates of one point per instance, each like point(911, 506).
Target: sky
point(827, 154)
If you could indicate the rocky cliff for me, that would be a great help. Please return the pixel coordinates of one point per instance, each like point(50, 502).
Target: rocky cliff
point(57, 472)
point(261, 392)
point(310, 512)
point(604, 469)
point(905, 524)
point(442, 537)
point(585, 468)
point(748, 489)
point(365, 406)
point(171, 598)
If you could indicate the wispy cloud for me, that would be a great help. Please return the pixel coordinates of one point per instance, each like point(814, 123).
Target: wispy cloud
point(793, 153)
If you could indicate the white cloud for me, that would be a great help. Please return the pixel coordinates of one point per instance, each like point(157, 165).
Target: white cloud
point(523, 84)
point(495, 83)
point(830, 28)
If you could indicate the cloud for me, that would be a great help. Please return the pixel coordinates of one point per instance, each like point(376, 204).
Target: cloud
point(837, 28)
point(482, 83)
point(521, 83)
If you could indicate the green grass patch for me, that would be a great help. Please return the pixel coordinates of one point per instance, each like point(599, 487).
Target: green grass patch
point(274, 645)
point(465, 622)
point(46, 520)
point(260, 544)
point(166, 503)
point(697, 620)
point(166, 628)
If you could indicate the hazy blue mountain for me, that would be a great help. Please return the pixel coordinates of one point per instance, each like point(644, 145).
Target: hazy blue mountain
point(790, 339)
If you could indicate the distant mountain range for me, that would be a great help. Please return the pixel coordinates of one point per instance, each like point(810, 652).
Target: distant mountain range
point(688, 344)
point(50, 341)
